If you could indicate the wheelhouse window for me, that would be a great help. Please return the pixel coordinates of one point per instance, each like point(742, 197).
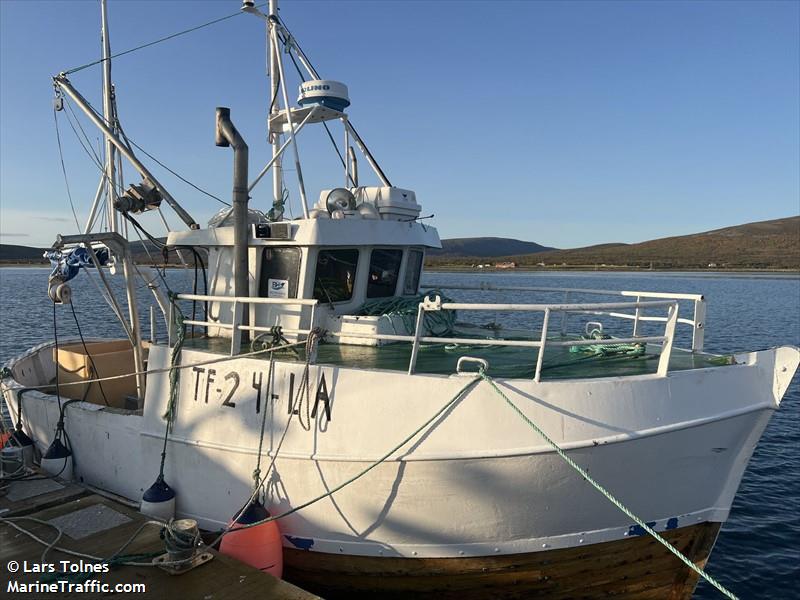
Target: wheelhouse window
point(413, 270)
point(280, 272)
point(384, 267)
point(336, 275)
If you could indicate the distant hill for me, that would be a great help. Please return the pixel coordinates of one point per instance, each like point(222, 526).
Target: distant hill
point(483, 247)
point(763, 245)
point(766, 244)
point(24, 254)
point(486, 247)
point(11, 253)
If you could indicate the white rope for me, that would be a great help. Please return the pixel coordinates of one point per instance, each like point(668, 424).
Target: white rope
point(168, 369)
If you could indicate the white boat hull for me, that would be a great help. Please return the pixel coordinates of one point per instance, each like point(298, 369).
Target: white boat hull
point(477, 482)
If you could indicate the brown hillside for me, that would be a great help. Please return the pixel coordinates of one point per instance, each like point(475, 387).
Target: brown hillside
point(766, 244)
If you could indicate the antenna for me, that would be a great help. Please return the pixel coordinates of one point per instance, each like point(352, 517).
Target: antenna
point(320, 100)
point(274, 108)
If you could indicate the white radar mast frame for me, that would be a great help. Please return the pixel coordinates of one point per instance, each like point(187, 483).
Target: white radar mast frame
point(291, 121)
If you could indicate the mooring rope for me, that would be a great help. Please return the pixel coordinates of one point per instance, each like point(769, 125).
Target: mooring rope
point(361, 473)
point(480, 376)
point(314, 337)
point(609, 496)
point(174, 365)
point(257, 483)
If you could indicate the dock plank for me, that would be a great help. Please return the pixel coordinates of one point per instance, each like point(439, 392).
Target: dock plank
point(37, 493)
point(223, 578)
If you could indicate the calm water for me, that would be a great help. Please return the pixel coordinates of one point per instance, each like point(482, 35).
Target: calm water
point(757, 554)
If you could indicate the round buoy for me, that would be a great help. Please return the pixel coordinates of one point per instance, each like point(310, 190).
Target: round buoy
point(58, 460)
point(20, 439)
point(258, 546)
point(158, 501)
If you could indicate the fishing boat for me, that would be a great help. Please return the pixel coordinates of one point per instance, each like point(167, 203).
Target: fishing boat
point(446, 441)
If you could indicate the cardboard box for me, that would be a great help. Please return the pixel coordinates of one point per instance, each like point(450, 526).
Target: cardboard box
point(105, 359)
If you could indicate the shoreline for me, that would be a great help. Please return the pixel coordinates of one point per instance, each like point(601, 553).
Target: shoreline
point(27, 265)
point(531, 269)
point(607, 268)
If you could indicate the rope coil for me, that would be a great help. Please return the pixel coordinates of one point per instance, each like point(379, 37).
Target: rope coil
point(437, 323)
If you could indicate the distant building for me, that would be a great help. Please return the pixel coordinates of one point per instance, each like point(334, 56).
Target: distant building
point(712, 265)
point(505, 265)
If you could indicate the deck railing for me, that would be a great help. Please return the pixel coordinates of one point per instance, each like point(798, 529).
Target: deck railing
point(697, 322)
point(236, 326)
point(434, 303)
point(643, 301)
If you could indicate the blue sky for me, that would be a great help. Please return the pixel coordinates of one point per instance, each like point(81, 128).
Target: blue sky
point(564, 123)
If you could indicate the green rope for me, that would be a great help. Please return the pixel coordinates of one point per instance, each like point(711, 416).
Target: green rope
point(174, 375)
point(610, 349)
point(437, 323)
point(174, 363)
point(607, 349)
point(722, 360)
point(606, 493)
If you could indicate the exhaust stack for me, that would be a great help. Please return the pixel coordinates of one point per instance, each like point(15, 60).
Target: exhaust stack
point(227, 135)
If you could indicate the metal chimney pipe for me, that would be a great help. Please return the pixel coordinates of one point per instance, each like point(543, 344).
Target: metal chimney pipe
point(226, 135)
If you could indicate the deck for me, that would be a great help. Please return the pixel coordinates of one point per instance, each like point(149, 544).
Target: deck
point(511, 362)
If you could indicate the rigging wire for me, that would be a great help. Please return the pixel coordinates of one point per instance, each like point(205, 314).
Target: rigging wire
point(285, 39)
point(169, 230)
point(89, 356)
point(158, 243)
point(104, 221)
point(338, 153)
point(158, 41)
point(129, 141)
point(83, 131)
point(183, 179)
point(294, 43)
point(64, 170)
point(275, 94)
point(198, 260)
point(303, 79)
point(152, 261)
point(55, 338)
point(93, 158)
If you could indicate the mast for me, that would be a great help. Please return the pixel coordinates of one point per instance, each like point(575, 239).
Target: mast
point(275, 30)
point(274, 108)
point(108, 115)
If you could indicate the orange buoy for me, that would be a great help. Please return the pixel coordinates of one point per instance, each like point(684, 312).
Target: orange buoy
point(258, 546)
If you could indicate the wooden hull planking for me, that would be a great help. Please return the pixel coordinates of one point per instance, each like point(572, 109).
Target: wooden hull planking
point(637, 567)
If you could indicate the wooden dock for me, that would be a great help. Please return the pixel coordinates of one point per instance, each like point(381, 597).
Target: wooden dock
point(99, 526)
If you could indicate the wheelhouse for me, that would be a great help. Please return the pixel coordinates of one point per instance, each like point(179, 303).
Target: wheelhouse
point(341, 263)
